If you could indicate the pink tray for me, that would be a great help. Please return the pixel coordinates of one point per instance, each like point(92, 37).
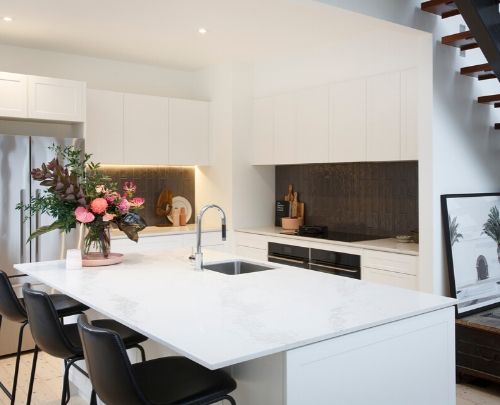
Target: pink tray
point(97, 259)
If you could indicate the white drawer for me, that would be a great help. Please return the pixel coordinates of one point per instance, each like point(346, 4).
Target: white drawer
point(251, 240)
point(394, 262)
point(389, 278)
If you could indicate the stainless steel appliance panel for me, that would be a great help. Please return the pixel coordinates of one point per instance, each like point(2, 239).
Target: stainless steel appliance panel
point(15, 187)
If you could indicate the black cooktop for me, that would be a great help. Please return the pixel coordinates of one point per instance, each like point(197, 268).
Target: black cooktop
point(322, 232)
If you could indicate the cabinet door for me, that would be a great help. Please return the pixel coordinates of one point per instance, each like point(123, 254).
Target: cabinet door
point(409, 114)
point(56, 99)
point(263, 131)
point(348, 121)
point(383, 117)
point(13, 95)
point(188, 132)
point(145, 130)
point(313, 125)
point(285, 113)
point(104, 129)
point(389, 278)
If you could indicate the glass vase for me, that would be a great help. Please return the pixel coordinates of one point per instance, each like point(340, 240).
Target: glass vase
point(98, 239)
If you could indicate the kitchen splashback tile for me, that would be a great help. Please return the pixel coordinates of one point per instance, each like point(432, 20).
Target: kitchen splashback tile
point(372, 198)
point(151, 180)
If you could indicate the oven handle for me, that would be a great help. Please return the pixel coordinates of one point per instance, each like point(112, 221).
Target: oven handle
point(334, 268)
point(286, 259)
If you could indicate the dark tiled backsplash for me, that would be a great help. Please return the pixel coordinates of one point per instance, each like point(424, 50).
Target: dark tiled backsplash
point(369, 198)
point(151, 180)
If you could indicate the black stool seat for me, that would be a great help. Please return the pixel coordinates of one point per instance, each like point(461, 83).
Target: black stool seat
point(168, 380)
point(130, 337)
point(178, 380)
point(64, 305)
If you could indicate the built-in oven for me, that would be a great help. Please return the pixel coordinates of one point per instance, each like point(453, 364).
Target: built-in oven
point(296, 256)
point(326, 261)
point(337, 263)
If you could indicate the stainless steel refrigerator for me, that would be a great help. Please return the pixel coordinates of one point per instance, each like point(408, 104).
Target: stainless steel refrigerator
point(18, 155)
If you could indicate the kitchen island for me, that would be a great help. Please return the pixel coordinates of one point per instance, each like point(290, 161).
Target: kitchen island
point(288, 336)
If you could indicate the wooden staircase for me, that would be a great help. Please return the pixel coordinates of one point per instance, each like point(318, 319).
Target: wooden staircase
point(483, 19)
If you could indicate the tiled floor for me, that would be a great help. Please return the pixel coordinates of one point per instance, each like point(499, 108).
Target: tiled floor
point(47, 389)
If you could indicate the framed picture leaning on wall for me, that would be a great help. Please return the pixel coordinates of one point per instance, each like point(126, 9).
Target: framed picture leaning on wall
point(472, 235)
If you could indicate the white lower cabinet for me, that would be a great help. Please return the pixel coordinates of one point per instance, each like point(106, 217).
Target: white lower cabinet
point(389, 278)
point(394, 269)
point(251, 252)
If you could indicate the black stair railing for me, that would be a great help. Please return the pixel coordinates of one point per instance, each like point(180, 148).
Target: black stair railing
point(483, 19)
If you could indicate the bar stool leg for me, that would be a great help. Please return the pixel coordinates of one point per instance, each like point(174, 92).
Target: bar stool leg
point(93, 398)
point(32, 377)
point(3, 387)
point(18, 361)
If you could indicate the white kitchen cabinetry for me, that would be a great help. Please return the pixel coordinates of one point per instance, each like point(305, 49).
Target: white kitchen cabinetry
point(285, 137)
point(104, 130)
point(409, 114)
point(348, 121)
point(13, 95)
point(145, 130)
point(188, 132)
point(56, 99)
point(313, 125)
point(383, 117)
point(394, 269)
point(263, 131)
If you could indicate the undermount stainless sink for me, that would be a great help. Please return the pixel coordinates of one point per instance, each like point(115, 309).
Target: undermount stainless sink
point(233, 268)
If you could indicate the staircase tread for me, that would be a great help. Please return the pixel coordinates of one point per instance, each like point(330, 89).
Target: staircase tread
point(482, 71)
point(492, 98)
point(463, 40)
point(443, 8)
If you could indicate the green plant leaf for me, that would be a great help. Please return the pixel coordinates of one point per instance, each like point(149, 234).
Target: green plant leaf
point(47, 228)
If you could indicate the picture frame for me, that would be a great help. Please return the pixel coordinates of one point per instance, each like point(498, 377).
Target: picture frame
point(471, 225)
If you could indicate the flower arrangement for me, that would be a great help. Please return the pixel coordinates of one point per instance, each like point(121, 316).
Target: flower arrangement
point(77, 192)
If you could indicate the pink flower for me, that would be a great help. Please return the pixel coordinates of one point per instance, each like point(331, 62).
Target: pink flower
point(108, 217)
point(129, 187)
point(111, 197)
point(99, 205)
point(136, 202)
point(83, 215)
point(124, 206)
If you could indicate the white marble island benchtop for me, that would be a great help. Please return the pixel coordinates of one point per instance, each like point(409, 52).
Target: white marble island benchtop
point(219, 320)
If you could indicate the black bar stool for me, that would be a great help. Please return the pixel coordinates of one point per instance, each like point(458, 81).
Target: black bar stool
point(12, 308)
point(63, 341)
point(168, 380)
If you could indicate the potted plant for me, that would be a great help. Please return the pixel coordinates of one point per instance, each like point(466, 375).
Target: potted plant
point(78, 193)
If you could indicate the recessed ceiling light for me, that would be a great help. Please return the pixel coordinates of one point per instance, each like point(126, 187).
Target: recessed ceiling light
point(202, 30)
point(8, 19)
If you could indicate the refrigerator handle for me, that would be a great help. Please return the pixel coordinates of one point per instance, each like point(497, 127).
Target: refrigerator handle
point(37, 225)
point(22, 247)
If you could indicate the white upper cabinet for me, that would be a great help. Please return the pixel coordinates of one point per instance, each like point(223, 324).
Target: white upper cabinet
point(104, 129)
point(383, 117)
point(13, 95)
point(313, 125)
point(56, 99)
point(145, 130)
point(348, 121)
point(263, 131)
point(188, 132)
point(285, 139)
point(409, 114)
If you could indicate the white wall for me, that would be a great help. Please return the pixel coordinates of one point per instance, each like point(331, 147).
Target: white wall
point(101, 73)
point(464, 153)
point(245, 192)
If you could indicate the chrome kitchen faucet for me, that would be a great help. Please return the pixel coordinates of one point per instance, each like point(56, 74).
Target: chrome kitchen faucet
point(198, 256)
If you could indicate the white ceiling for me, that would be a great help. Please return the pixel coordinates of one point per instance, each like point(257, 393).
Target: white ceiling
point(165, 32)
